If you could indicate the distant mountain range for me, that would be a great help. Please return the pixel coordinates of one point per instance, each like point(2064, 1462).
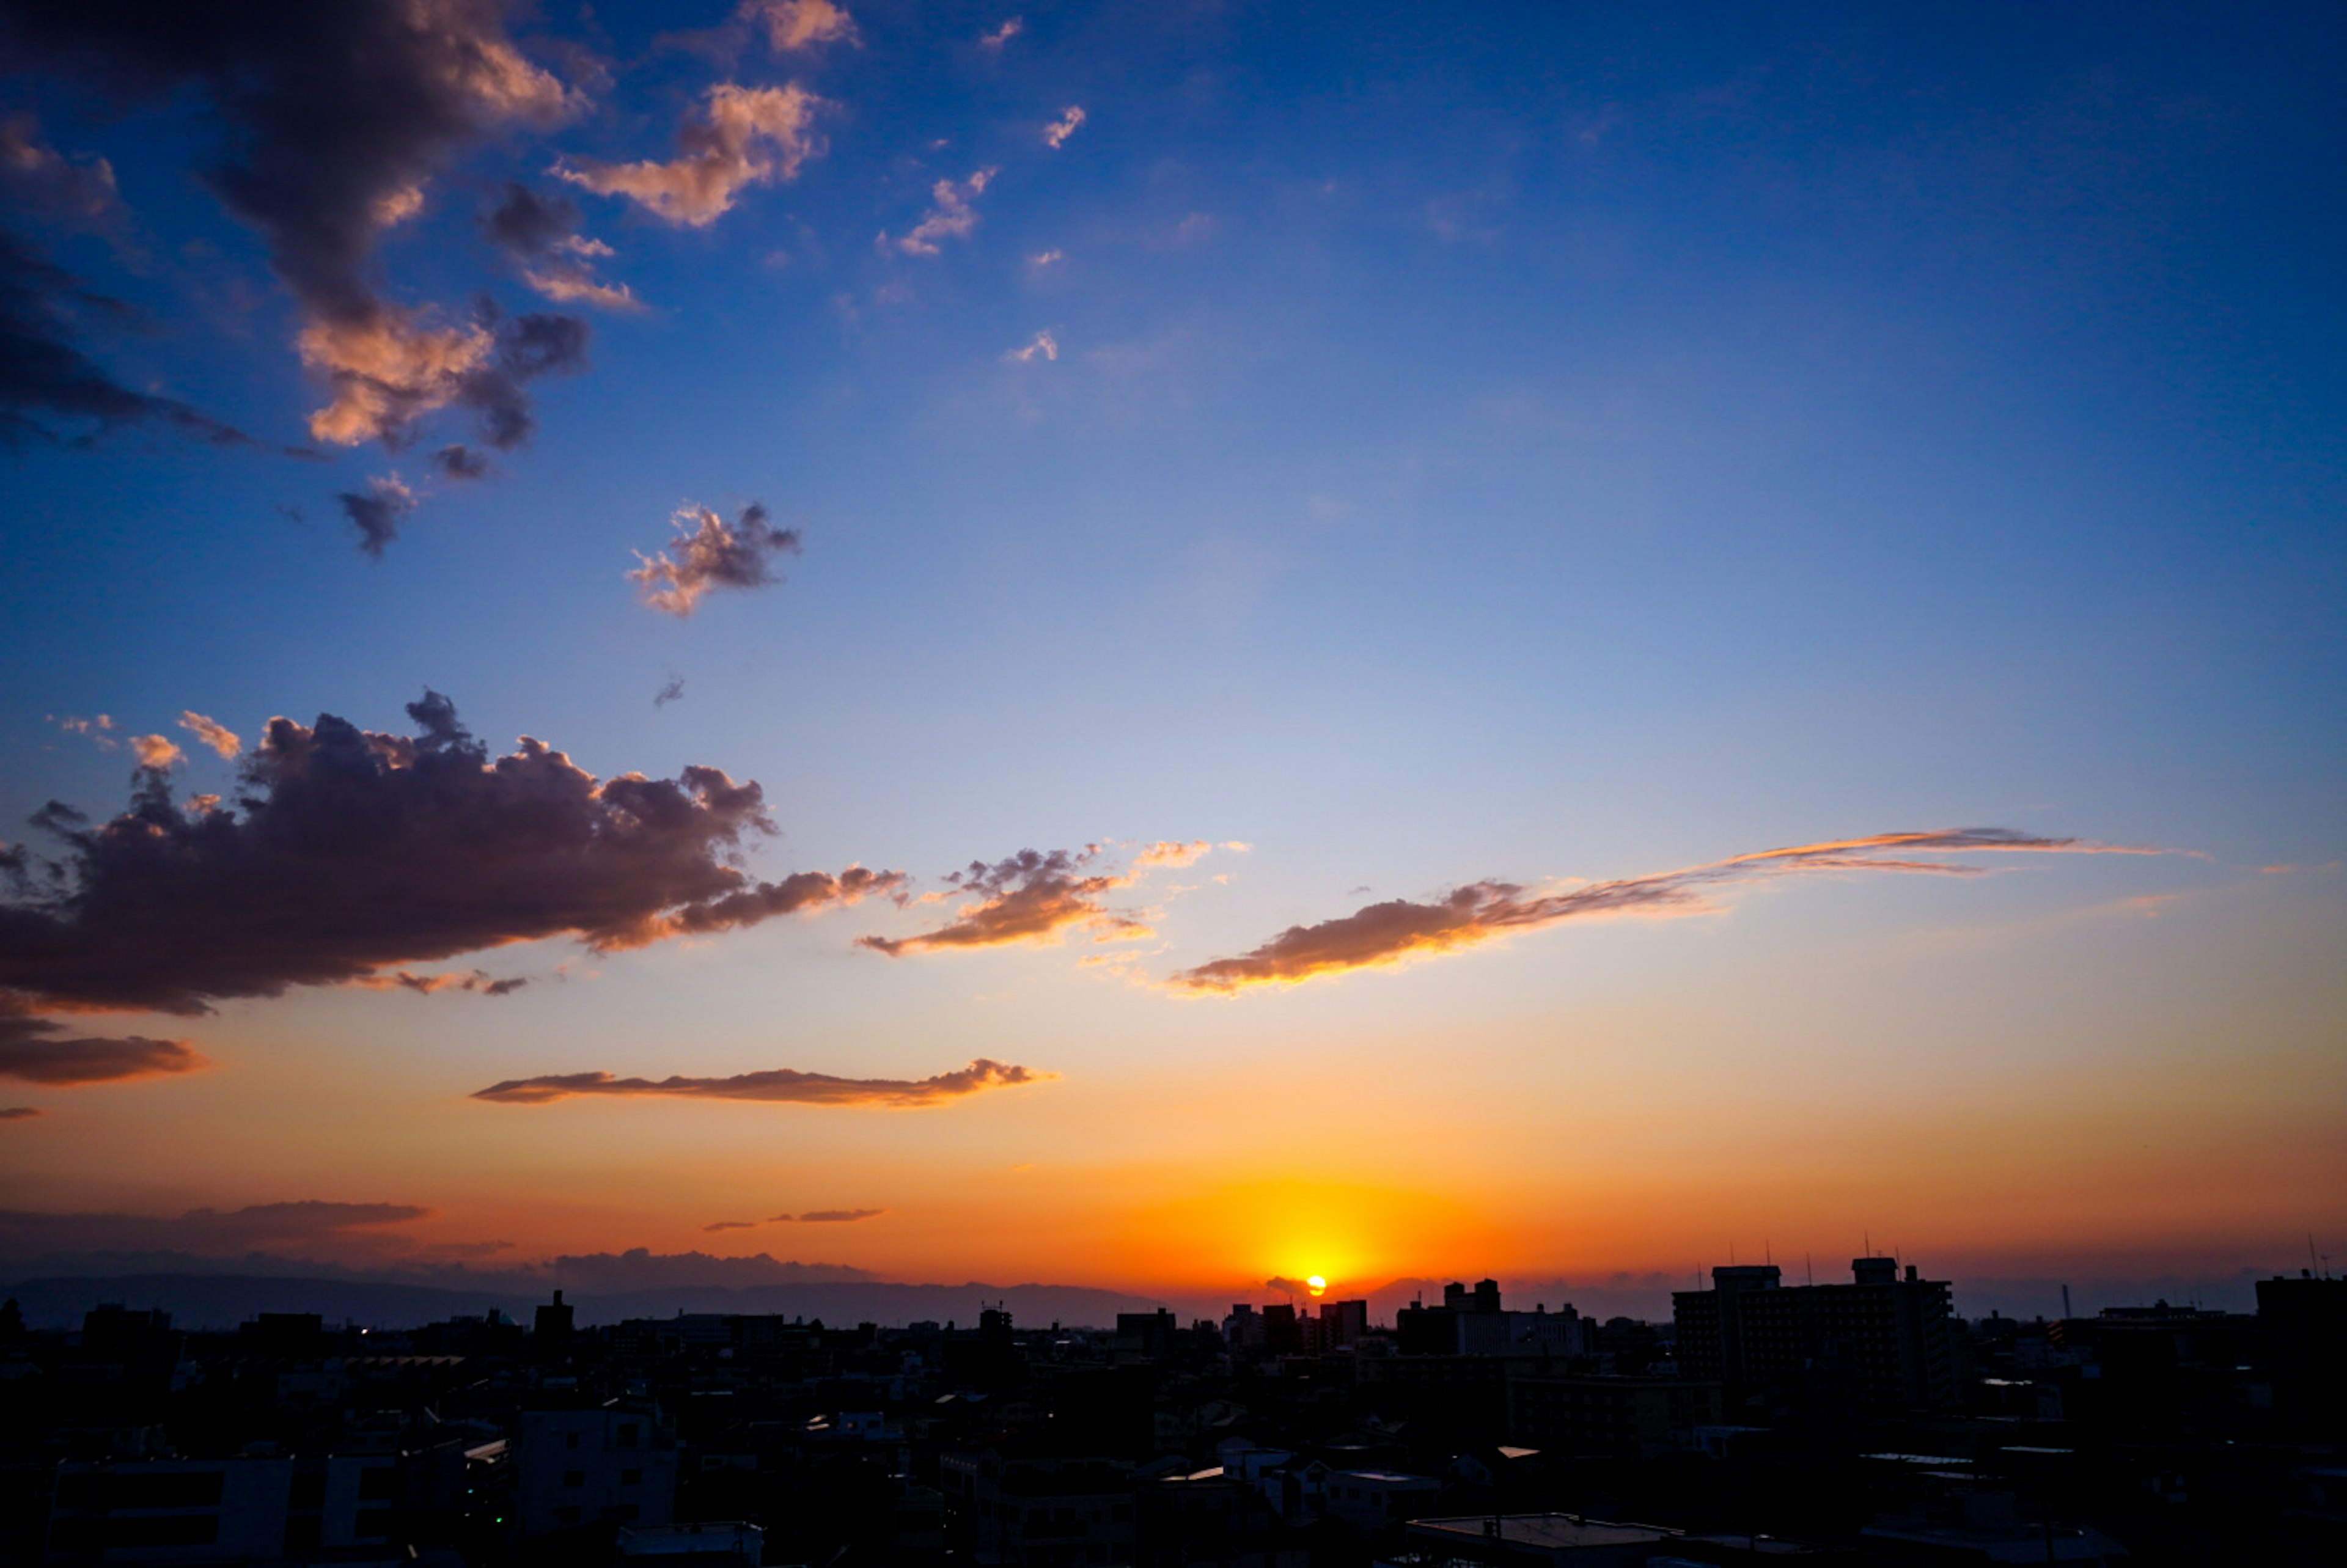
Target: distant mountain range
point(222, 1301)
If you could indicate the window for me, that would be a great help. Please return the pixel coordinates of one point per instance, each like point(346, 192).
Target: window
point(574, 1478)
point(570, 1439)
point(631, 1477)
point(627, 1434)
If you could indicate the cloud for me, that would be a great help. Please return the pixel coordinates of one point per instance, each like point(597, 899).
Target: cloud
point(1056, 134)
point(1044, 345)
point(731, 1226)
point(1032, 897)
point(30, 1051)
point(212, 732)
point(781, 1085)
point(390, 367)
point(671, 691)
point(308, 1222)
point(951, 217)
point(433, 985)
point(541, 232)
point(711, 555)
point(378, 510)
point(48, 387)
point(992, 42)
point(39, 179)
point(460, 463)
point(1043, 259)
point(156, 750)
point(748, 136)
point(1173, 853)
point(836, 1216)
point(338, 118)
point(347, 852)
point(797, 25)
point(20, 1113)
point(637, 1269)
point(1399, 930)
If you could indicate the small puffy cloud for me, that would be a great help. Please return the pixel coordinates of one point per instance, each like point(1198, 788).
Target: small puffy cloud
point(710, 554)
point(781, 1085)
point(747, 136)
point(349, 852)
point(38, 1051)
point(460, 464)
point(1173, 852)
point(378, 510)
point(156, 750)
point(951, 217)
point(994, 39)
point(1400, 929)
point(541, 233)
point(1032, 896)
point(98, 729)
point(212, 732)
point(1043, 346)
point(1056, 134)
point(1050, 258)
point(793, 25)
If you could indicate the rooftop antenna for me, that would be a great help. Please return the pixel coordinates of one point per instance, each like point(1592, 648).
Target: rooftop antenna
point(1809, 1269)
point(1731, 1255)
point(1768, 1250)
point(2066, 1303)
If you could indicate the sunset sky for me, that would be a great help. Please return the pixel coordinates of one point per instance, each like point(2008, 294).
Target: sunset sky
point(1168, 645)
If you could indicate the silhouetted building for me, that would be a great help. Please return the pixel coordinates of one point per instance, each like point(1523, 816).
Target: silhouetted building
point(2303, 1325)
point(1627, 1418)
point(1892, 1337)
point(552, 1330)
point(1343, 1323)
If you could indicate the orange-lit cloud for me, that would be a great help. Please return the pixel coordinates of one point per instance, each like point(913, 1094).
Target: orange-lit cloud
point(433, 985)
point(747, 136)
point(212, 732)
point(156, 750)
point(834, 1216)
point(710, 554)
point(781, 1085)
point(796, 24)
point(1032, 896)
point(993, 40)
point(32, 1049)
point(1056, 134)
point(1399, 930)
point(951, 217)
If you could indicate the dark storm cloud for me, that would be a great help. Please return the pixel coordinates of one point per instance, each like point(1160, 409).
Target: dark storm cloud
point(779, 1085)
point(347, 852)
point(40, 1051)
point(46, 381)
point(1481, 911)
point(377, 511)
point(710, 554)
point(339, 115)
point(1032, 896)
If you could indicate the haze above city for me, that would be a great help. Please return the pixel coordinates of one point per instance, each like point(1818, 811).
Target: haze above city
point(1173, 649)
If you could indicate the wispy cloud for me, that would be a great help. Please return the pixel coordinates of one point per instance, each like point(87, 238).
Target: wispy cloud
point(20, 1113)
point(1400, 929)
point(212, 732)
point(731, 1226)
point(1043, 345)
point(992, 41)
point(834, 1216)
point(1039, 897)
point(951, 216)
point(1056, 134)
point(746, 136)
point(781, 1085)
point(475, 981)
point(712, 553)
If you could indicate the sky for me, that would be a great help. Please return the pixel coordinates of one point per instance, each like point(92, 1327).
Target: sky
point(1165, 647)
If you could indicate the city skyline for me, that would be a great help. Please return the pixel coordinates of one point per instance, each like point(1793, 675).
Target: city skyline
point(1168, 651)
